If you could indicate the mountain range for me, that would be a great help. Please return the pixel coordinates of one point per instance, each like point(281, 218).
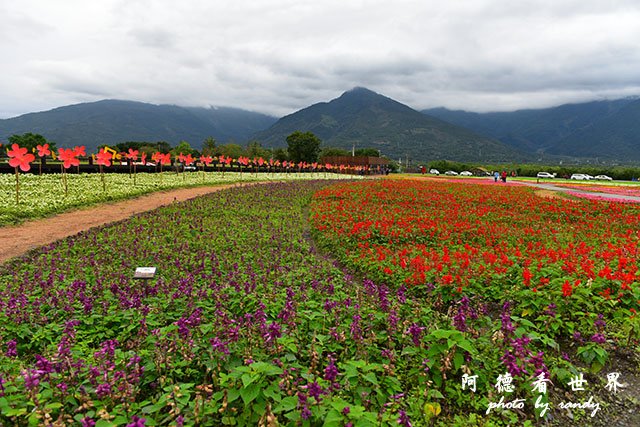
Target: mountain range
point(361, 118)
point(607, 129)
point(603, 130)
point(114, 121)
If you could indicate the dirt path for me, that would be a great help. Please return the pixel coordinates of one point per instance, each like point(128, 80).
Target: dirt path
point(16, 240)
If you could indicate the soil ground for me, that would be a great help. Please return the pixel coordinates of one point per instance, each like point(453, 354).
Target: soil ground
point(17, 240)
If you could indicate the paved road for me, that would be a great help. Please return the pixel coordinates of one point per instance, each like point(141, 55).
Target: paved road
point(552, 187)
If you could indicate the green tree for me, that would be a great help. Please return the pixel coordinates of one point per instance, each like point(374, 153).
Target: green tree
point(30, 141)
point(333, 151)
point(185, 149)
point(371, 152)
point(254, 149)
point(303, 147)
point(209, 147)
point(123, 147)
point(163, 146)
point(280, 154)
point(232, 150)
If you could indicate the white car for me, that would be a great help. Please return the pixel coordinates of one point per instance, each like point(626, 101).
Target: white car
point(603, 178)
point(580, 176)
point(434, 172)
point(451, 173)
point(545, 175)
point(466, 173)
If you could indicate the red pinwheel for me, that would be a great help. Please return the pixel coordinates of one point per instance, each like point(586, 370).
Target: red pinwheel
point(132, 155)
point(143, 158)
point(43, 150)
point(164, 159)
point(103, 158)
point(68, 156)
point(18, 157)
point(205, 160)
point(79, 150)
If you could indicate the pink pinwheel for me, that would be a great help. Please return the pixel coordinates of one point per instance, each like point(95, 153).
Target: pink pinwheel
point(18, 157)
point(143, 158)
point(260, 161)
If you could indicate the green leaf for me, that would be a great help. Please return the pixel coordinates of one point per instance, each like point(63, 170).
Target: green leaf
point(247, 379)
point(371, 377)
point(287, 404)
point(232, 395)
point(250, 393)
point(333, 418)
point(458, 360)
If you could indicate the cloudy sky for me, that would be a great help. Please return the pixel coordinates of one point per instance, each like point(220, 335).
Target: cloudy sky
point(282, 55)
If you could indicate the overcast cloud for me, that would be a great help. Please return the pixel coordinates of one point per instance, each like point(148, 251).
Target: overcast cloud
point(282, 55)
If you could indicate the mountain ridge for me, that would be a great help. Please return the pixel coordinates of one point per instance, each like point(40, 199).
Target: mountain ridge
point(365, 118)
point(112, 121)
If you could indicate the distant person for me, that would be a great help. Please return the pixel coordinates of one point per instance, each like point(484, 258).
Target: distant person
point(422, 169)
point(495, 176)
point(504, 176)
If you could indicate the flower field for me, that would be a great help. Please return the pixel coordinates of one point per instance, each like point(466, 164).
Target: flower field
point(45, 195)
point(246, 323)
point(529, 285)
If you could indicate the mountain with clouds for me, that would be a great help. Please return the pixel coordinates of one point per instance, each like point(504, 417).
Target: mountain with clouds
point(600, 129)
point(366, 119)
point(114, 121)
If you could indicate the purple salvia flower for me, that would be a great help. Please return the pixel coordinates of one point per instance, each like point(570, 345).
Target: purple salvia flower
point(137, 422)
point(12, 349)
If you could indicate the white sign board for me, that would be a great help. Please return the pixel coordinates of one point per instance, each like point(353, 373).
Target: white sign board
point(145, 273)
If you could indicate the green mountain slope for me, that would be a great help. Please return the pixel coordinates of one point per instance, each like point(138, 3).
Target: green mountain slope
point(113, 121)
point(364, 118)
point(615, 137)
point(539, 130)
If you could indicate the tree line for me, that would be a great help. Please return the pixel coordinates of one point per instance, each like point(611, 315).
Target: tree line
point(301, 147)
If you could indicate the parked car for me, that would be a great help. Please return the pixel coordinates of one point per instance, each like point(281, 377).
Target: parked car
point(580, 176)
point(603, 178)
point(451, 173)
point(434, 172)
point(466, 173)
point(545, 175)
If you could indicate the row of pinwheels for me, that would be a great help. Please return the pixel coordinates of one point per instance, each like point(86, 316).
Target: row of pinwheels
point(20, 158)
